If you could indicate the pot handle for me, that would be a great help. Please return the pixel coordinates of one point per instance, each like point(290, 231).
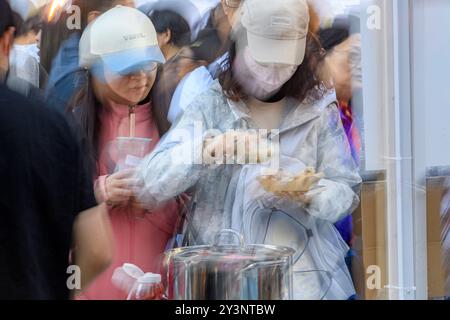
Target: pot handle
point(237, 236)
point(261, 264)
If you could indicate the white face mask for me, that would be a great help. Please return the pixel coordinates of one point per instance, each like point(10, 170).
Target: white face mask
point(258, 80)
point(32, 49)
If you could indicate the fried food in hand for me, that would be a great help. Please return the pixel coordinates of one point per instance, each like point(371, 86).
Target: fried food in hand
point(285, 182)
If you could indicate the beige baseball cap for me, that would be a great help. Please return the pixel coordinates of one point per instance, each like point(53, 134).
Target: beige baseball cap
point(276, 30)
point(121, 39)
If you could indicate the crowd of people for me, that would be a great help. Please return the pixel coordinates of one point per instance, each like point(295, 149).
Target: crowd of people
point(115, 138)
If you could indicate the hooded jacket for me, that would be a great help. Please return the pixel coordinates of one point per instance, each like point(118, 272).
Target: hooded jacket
point(311, 133)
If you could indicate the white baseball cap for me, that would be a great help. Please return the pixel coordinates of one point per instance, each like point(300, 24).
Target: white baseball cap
point(121, 39)
point(276, 30)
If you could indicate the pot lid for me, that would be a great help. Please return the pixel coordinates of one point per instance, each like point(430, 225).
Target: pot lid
point(228, 253)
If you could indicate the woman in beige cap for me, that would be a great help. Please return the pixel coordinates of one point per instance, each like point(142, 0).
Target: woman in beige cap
point(272, 83)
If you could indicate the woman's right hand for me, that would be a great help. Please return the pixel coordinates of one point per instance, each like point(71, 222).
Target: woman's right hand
point(119, 187)
point(244, 147)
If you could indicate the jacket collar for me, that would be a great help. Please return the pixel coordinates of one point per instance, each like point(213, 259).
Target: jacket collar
point(119, 111)
point(297, 114)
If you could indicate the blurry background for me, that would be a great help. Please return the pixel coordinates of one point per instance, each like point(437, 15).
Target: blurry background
point(389, 60)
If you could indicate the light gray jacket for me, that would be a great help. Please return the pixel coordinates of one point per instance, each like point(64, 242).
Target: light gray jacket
point(311, 132)
point(311, 135)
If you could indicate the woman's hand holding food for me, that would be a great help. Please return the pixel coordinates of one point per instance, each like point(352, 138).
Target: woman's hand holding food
point(300, 188)
point(242, 147)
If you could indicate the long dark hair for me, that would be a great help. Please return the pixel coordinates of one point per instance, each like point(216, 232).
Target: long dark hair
point(306, 80)
point(84, 109)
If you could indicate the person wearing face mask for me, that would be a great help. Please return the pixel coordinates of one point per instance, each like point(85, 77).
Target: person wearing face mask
point(24, 59)
point(120, 55)
point(226, 18)
point(273, 83)
point(8, 67)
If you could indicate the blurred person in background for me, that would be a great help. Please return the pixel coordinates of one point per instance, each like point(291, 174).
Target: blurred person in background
point(343, 69)
point(173, 32)
point(8, 78)
point(219, 23)
point(48, 210)
point(231, 8)
point(199, 80)
point(273, 83)
point(113, 106)
point(342, 65)
point(324, 12)
point(24, 58)
point(60, 45)
point(185, 58)
point(314, 22)
point(196, 12)
point(200, 53)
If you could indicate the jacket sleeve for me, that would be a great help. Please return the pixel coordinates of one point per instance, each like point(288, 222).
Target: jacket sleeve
point(334, 158)
point(176, 164)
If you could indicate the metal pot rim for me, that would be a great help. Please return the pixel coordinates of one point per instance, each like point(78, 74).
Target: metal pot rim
point(255, 252)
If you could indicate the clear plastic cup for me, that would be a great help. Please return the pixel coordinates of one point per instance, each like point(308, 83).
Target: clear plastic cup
point(129, 152)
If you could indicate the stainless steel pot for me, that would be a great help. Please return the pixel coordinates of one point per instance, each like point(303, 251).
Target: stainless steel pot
point(229, 271)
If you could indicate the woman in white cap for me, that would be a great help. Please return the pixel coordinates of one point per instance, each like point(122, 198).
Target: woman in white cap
point(120, 54)
point(272, 84)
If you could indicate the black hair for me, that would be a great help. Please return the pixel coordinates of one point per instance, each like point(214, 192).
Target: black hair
point(164, 20)
point(87, 6)
point(24, 27)
point(84, 109)
point(343, 27)
point(6, 17)
point(207, 47)
point(202, 52)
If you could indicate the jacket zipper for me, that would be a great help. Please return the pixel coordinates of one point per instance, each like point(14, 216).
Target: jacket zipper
point(132, 221)
point(132, 120)
point(132, 126)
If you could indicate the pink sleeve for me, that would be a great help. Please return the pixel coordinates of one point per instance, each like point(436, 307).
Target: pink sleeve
point(166, 217)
